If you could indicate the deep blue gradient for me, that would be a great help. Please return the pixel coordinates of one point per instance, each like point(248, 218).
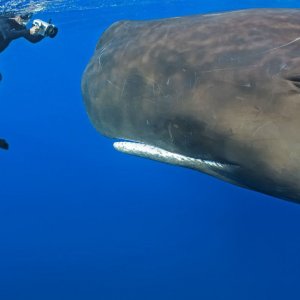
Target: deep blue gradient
point(79, 220)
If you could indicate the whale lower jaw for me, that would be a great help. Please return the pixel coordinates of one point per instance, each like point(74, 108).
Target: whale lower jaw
point(147, 151)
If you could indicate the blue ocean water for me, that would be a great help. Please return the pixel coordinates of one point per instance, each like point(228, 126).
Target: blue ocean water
point(79, 220)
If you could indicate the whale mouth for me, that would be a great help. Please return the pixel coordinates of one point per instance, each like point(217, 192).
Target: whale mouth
point(159, 154)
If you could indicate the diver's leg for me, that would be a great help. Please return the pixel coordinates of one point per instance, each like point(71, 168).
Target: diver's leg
point(4, 144)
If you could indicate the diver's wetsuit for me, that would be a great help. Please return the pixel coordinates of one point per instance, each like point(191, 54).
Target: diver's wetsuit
point(11, 30)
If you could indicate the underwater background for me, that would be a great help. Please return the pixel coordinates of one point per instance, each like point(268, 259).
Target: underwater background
point(79, 220)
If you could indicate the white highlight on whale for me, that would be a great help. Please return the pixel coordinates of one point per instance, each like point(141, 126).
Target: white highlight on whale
point(155, 153)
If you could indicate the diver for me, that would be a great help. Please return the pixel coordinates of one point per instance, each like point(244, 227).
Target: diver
point(13, 27)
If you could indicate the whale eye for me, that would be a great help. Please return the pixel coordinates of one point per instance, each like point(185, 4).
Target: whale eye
point(295, 80)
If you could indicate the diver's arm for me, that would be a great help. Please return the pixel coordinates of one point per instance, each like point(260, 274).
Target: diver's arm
point(32, 35)
point(14, 34)
point(33, 38)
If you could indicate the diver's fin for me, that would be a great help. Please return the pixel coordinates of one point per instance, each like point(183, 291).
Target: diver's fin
point(3, 144)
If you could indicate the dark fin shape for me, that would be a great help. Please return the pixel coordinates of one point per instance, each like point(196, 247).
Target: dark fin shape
point(3, 144)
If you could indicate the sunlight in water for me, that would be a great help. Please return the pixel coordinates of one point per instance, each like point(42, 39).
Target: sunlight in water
point(67, 5)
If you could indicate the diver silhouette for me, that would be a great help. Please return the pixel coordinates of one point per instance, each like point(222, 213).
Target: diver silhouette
point(13, 27)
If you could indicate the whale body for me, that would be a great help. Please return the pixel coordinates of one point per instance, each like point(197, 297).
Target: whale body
point(219, 93)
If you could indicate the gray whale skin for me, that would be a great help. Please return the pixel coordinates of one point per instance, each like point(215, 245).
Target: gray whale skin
point(219, 93)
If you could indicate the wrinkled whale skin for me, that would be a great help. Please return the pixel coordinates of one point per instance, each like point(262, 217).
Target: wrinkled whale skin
point(219, 87)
